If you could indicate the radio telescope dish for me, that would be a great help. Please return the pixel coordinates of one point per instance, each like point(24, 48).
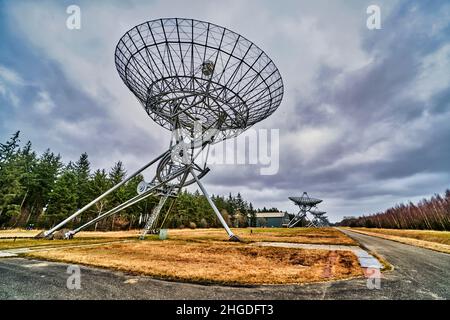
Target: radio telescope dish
point(317, 212)
point(203, 82)
point(306, 205)
point(305, 200)
point(185, 70)
point(319, 219)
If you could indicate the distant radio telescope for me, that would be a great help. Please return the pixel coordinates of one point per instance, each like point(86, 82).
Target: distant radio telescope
point(308, 205)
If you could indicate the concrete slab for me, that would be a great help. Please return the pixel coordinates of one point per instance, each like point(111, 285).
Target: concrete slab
point(4, 254)
point(369, 262)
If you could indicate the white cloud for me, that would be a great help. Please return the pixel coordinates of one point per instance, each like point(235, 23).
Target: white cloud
point(9, 81)
point(434, 74)
point(44, 103)
point(10, 76)
point(309, 142)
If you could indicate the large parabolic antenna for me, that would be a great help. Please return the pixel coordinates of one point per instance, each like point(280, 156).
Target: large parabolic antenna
point(305, 201)
point(203, 82)
point(184, 71)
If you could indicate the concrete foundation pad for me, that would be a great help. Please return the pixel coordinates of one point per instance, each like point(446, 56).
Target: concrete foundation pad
point(4, 254)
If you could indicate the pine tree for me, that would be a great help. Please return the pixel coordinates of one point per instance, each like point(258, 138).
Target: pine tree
point(117, 175)
point(46, 173)
point(97, 186)
point(240, 202)
point(10, 188)
point(63, 198)
point(42, 190)
point(132, 213)
point(252, 215)
point(25, 163)
point(8, 149)
point(82, 170)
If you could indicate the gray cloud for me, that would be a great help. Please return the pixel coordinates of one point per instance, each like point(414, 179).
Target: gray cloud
point(364, 122)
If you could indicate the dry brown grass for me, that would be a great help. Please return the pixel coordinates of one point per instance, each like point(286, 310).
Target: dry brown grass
point(19, 233)
point(296, 235)
point(425, 235)
point(206, 255)
point(109, 234)
point(6, 244)
point(22, 233)
point(19, 238)
point(434, 240)
point(214, 261)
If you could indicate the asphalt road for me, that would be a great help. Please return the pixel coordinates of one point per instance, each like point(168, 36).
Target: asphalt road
point(418, 274)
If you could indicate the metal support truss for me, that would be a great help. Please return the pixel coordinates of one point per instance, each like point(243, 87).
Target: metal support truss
point(151, 221)
point(313, 223)
point(149, 225)
point(126, 204)
point(318, 221)
point(231, 235)
point(90, 204)
point(185, 72)
point(297, 218)
point(169, 177)
point(308, 205)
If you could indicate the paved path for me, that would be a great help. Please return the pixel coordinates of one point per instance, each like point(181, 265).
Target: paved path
point(419, 274)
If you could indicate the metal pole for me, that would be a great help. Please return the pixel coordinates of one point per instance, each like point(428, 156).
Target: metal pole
point(296, 219)
point(62, 223)
point(124, 205)
point(232, 236)
point(111, 212)
point(294, 224)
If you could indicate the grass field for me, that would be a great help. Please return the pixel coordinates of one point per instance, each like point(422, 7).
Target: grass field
point(296, 235)
point(214, 261)
point(6, 244)
point(19, 233)
point(17, 238)
point(205, 255)
point(434, 240)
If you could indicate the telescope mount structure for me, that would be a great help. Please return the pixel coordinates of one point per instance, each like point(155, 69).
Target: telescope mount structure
point(308, 205)
point(319, 219)
point(202, 82)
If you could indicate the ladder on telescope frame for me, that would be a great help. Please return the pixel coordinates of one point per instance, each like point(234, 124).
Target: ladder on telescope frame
point(149, 225)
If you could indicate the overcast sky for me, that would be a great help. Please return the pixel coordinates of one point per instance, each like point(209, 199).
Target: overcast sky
point(364, 123)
